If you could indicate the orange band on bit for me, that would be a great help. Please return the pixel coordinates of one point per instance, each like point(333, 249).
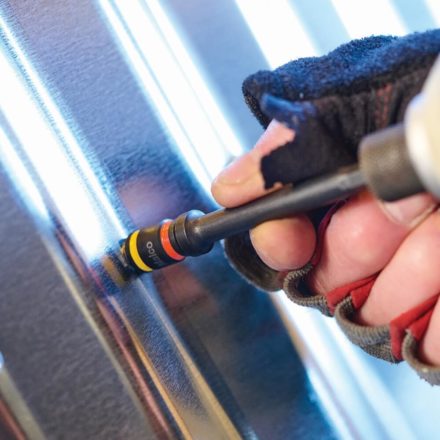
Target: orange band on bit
point(166, 243)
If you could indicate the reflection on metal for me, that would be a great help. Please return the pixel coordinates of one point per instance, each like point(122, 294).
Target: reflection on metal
point(350, 395)
point(32, 115)
point(277, 29)
point(434, 8)
point(206, 395)
point(377, 17)
point(165, 70)
point(318, 373)
point(14, 411)
point(14, 164)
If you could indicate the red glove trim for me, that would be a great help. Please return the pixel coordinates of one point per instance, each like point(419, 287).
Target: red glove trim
point(360, 295)
point(419, 327)
point(359, 291)
point(321, 231)
point(399, 325)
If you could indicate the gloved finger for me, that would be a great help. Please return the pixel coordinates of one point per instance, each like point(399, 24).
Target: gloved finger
point(281, 244)
point(285, 244)
point(410, 277)
point(362, 238)
point(242, 181)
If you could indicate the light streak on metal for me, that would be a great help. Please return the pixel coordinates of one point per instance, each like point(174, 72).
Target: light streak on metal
point(376, 17)
point(14, 166)
point(166, 73)
point(434, 9)
point(342, 366)
point(277, 29)
point(52, 149)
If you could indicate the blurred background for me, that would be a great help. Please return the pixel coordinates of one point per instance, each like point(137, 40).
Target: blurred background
point(114, 115)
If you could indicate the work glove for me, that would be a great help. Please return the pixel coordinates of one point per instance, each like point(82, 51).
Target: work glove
point(361, 87)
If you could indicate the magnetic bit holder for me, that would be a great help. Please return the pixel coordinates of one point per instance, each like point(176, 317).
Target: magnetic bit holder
point(385, 168)
point(194, 233)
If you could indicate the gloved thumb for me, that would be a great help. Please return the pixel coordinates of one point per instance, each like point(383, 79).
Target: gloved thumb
point(242, 181)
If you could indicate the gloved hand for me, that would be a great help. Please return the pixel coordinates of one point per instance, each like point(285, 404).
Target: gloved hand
point(372, 265)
